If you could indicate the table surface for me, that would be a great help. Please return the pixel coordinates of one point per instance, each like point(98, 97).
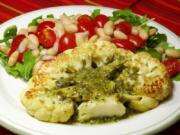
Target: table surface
point(166, 12)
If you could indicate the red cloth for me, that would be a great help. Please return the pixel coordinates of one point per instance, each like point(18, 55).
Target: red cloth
point(166, 12)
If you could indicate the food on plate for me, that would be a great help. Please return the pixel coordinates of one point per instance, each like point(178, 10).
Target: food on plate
point(95, 81)
point(46, 37)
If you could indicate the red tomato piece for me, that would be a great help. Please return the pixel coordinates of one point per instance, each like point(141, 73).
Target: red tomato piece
point(137, 40)
point(100, 20)
point(83, 19)
point(47, 38)
point(15, 44)
point(173, 66)
point(87, 27)
point(67, 41)
point(45, 24)
point(124, 26)
point(124, 43)
point(32, 33)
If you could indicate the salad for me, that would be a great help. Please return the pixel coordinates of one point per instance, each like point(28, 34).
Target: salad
point(23, 51)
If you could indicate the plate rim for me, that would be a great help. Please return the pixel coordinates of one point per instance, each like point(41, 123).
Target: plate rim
point(6, 123)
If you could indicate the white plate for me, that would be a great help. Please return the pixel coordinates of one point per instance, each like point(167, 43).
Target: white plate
point(14, 117)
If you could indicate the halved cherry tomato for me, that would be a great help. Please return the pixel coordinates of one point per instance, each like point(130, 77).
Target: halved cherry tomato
point(15, 44)
point(67, 41)
point(45, 24)
point(124, 43)
point(84, 19)
point(173, 66)
point(87, 27)
point(100, 20)
point(124, 26)
point(47, 38)
point(137, 40)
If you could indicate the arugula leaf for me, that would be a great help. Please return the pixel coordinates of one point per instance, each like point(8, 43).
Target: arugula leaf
point(9, 33)
point(129, 16)
point(3, 58)
point(154, 40)
point(34, 21)
point(95, 13)
point(20, 70)
point(154, 53)
point(177, 77)
point(25, 69)
point(50, 16)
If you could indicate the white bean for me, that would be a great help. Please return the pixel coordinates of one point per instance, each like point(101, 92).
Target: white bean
point(120, 35)
point(159, 49)
point(152, 31)
point(48, 57)
point(59, 29)
point(118, 21)
point(23, 31)
point(33, 42)
point(70, 28)
point(100, 32)
point(13, 58)
point(32, 28)
point(108, 28)
point(23, 45)
point(37, 67)
point(54, 50)
point(172, 53)
point(35, 52)
point(135, 30)
point(4, 49)
point(94, 38)
point(81, 38)
point(65, 19)
point(143, 34)
point(104, 38)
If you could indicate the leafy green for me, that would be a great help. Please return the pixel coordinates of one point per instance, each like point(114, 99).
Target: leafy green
point(50, 16)
point(34, 21)
point(129, 16)
point(154, 53)
point(177, 77)
point(155, 40)
point(95, 13)
point(23, 70)
point(9, 33)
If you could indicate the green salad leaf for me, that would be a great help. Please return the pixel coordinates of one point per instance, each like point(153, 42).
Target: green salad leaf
point(50, 16)
point(95, 13)
point(154, 53)
point(177, 77)
point(9, 33)
point(34, 21)
point(155, 40)
point(129, 16)
point(23, 70)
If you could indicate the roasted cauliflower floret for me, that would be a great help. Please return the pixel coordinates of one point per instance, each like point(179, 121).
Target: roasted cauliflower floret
point(146, 76)
point(107, 107)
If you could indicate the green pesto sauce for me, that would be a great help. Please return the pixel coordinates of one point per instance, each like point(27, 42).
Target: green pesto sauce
point(90, 83)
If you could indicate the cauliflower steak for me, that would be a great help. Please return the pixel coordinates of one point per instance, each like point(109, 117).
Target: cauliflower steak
point(94, 81)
